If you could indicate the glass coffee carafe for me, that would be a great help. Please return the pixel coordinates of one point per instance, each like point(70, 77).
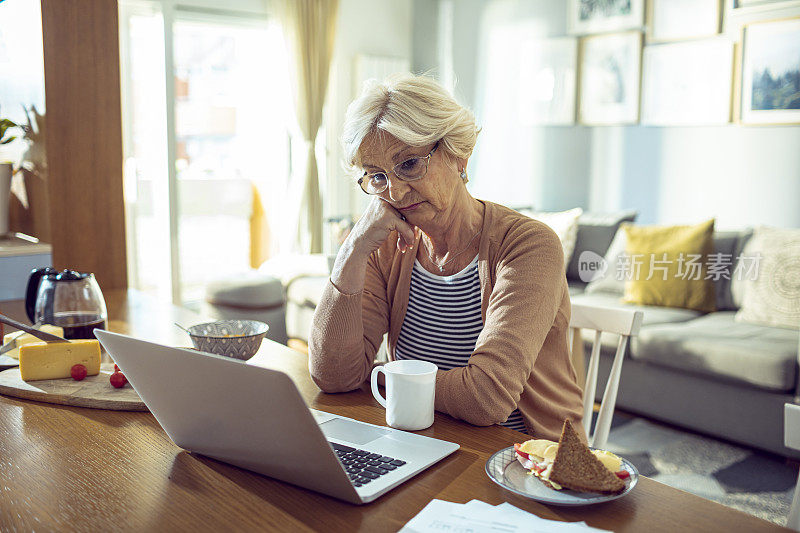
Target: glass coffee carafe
point(69, 299)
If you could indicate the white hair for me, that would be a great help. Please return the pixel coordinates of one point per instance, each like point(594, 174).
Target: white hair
point(416, 110)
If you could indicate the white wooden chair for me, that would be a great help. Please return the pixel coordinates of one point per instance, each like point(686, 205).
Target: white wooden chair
point(622, 322)
point(791, 438)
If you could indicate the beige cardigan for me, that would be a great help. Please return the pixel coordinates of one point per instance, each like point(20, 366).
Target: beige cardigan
point(520, 359)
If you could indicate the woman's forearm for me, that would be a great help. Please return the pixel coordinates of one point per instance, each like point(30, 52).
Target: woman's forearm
point(349, 323)
point(337, 355)
point(349, 269)
point(353, 313)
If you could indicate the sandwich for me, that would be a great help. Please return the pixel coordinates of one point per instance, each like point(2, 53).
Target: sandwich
point(570, 464)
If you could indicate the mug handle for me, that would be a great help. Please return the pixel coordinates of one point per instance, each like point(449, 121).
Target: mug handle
point(374, 385)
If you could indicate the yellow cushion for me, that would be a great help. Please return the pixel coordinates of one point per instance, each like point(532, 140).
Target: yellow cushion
point(675, 258)
point(259, 231)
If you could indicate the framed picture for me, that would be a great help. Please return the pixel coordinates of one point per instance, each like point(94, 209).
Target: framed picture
point(672, 20)
point(739, 4)
point(610, 68)
point(687, 83)
point(598, 16)
point(548, 78)
point(738, 13)
point(770, 90)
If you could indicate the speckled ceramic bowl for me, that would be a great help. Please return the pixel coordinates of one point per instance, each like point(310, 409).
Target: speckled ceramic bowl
point(239, 339)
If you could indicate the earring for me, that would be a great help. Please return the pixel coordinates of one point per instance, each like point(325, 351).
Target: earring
point(464, 176)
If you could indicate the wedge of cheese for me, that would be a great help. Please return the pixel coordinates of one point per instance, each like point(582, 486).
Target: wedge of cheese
point(27, 338)
point(53, 360)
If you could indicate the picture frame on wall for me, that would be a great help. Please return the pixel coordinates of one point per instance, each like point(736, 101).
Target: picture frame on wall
point(687, 83)
point(673, 20)
point(610, 68)
point(743, 4)
point(548, 81)
point(770, 72)
point(737, 14)
point(600, 16)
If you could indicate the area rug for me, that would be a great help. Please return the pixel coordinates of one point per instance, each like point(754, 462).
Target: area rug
point(757, 483)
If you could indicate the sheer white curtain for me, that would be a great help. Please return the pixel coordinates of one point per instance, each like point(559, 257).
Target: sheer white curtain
point(309, 27)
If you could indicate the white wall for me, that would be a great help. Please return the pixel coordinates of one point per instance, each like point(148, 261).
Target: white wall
point(425, 35)
point(743, 175)
point(381, 28)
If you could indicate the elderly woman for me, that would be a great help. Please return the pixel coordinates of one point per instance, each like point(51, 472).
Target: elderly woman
point(474, 287)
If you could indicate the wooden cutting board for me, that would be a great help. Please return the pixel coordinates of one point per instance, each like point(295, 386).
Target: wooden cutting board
point(93, 391)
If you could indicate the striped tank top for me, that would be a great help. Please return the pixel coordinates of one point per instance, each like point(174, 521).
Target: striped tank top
point(443, 321)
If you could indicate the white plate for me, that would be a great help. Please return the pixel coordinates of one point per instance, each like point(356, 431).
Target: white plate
point(7, 362)
point(504, 469)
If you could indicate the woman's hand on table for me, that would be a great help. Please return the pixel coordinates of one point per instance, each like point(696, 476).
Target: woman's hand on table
point(373, 228)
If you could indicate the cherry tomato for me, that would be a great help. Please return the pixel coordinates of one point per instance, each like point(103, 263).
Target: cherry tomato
point(78, 372)
point(118, 380)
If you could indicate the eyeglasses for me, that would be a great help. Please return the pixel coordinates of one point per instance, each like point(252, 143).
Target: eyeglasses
point(409, 170)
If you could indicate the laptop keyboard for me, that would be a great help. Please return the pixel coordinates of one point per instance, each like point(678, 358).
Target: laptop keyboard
point(363, 466)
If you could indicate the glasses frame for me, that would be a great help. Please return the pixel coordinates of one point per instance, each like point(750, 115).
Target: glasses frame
point(427, 159)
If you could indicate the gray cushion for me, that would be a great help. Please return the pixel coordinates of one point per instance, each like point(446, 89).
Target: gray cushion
point(725, 242)
point(302, 296)
point(306, 291)
point(595, 232)
point(715, 345)
point(576, 287)
point(609, 278)
point(737, 286)
point(651, 315)
point(250, 290)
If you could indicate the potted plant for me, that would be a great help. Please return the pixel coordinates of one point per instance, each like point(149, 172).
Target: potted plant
point(35, 157)
point(6, 172)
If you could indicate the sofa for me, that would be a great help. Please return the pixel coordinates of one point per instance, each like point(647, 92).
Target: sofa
point(705, 372)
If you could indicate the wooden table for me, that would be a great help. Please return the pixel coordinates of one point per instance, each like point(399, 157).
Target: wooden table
point(71, 468)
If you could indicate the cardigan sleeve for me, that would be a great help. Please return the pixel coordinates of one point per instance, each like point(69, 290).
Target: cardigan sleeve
point(529, 286)
point(347, 331)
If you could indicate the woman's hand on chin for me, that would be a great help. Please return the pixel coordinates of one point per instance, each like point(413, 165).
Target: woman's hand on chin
point(369, 233)
point(375, 225)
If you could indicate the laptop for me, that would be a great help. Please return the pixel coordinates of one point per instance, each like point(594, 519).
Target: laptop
point(255, 418)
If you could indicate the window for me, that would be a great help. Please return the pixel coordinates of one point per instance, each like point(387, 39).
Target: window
point(198, 142)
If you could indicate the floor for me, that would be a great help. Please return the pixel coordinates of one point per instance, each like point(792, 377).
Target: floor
point(755, 482)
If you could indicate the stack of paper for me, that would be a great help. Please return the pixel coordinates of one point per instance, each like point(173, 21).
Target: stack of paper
point(477, 517)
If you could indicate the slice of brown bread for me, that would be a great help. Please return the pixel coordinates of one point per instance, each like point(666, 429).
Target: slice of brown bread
point(575, 466)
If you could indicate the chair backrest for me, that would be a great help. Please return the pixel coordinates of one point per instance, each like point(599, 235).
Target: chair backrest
point(791, 439)
point(622, 322)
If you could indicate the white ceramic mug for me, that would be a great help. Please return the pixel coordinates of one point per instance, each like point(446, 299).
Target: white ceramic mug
point(410, 388)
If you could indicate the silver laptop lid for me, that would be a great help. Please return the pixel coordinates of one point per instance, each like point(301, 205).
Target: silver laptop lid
point(241, 414)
